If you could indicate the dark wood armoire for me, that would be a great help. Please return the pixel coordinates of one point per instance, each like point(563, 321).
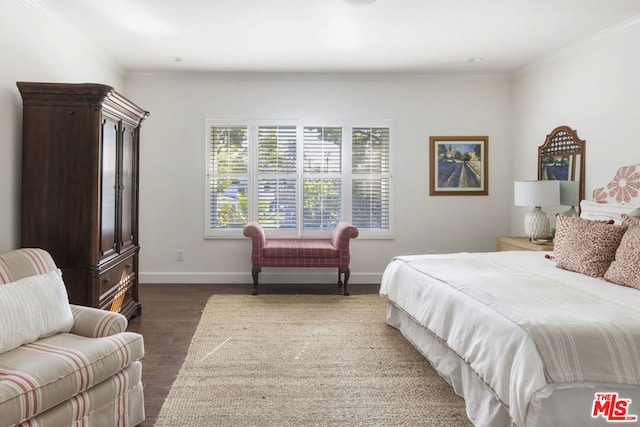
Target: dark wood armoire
point(80, 158)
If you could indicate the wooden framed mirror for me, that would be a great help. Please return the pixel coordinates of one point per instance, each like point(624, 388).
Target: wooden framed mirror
point(561, 158)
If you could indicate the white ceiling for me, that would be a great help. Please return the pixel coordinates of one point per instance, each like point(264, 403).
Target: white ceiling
point(338, 35)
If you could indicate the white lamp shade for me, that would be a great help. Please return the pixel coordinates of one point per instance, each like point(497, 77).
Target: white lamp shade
point(536, 193)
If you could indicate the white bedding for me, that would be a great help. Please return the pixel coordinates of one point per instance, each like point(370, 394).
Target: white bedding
point(506, 318)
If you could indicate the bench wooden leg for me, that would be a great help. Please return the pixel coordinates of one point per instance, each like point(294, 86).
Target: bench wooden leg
point(254, 274)
point(346, 272)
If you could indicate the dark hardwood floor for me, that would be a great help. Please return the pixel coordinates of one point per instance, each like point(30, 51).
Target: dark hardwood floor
point(170, 315)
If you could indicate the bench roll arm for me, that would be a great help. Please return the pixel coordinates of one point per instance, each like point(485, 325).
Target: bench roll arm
point(258, 239)
point(340, 238)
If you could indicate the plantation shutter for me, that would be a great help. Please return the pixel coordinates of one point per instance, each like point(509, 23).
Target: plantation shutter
point(228, 177)
point(322, 177)
point(277, 177)
point(370, 178)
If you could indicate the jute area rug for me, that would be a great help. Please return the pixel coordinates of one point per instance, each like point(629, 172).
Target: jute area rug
point(305, 360)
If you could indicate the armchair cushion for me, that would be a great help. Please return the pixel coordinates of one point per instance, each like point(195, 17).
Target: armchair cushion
point(43, 374)
point(32, 308)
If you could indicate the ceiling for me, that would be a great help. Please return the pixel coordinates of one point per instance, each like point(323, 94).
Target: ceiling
point(338, 35)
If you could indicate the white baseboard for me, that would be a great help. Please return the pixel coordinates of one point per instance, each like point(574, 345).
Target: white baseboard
point(269, 277)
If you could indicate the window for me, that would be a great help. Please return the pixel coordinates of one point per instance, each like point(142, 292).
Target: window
point(228, 182)
point(277, 176)
point(370, 178)
point(322, 177)
point(297, 179)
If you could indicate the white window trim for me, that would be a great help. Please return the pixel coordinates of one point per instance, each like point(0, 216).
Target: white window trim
point(347, 126)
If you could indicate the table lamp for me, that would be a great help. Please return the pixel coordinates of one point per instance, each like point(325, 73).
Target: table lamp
point(536, 194)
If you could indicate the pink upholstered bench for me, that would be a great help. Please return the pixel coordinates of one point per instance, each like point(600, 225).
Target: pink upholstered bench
point(332, 252)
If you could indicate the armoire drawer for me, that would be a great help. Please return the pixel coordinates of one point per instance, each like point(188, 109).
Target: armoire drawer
point(115, 285)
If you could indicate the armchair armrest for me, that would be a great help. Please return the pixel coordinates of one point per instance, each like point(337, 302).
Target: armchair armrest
point(95, 323)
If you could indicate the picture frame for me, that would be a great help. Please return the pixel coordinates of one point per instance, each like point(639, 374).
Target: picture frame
point(458, 165)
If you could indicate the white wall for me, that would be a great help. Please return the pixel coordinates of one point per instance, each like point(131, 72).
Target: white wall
point(592, 87)
point(173, 165)
point(35, 46)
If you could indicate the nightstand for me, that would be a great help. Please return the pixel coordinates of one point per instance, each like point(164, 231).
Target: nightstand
point(517, 243)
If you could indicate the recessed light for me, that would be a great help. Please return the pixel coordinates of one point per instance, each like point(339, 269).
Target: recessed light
point(475, 59)
point(174, 59)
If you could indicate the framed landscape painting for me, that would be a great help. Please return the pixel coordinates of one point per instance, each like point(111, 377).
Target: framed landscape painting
point(458, 165)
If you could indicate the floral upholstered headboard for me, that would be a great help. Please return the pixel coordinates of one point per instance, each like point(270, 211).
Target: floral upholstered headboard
point(624, 188)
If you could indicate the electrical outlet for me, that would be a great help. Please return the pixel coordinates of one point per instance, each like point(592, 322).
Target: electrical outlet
point(180, 255)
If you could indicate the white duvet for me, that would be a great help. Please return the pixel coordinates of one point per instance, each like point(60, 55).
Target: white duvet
point(521, 323)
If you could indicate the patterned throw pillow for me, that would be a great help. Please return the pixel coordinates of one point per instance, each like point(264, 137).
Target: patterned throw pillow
point(585, 246)
point(625, 269)
point(629, 221)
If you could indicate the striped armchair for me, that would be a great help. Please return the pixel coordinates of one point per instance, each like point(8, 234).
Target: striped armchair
point(62, 364)
point(332, 252)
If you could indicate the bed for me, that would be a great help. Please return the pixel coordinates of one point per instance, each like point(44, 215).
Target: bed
point(535, 339)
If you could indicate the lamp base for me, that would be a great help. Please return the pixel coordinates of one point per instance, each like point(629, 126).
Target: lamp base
point(536, 224)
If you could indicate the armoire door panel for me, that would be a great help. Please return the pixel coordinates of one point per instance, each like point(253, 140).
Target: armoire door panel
point(108, 199)
point(127, 188)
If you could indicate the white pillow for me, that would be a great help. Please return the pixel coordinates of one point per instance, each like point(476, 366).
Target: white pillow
point(606, 211)
point(32, 308)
